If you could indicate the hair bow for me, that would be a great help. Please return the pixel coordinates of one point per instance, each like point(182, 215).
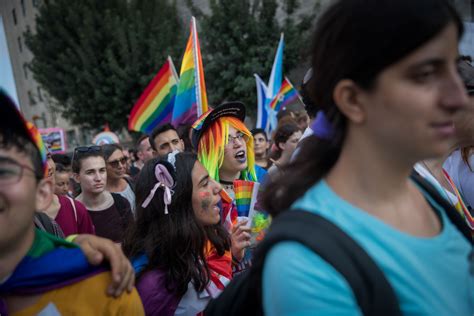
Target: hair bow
point(165, 181)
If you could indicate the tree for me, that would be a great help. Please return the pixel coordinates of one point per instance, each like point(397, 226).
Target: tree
point(240, 38)
point(96, 57)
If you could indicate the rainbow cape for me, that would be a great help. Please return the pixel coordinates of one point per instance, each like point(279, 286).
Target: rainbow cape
point(155, 105)
point(245, 196)
point(51, 263)
point(285, 96)
point(191, 98)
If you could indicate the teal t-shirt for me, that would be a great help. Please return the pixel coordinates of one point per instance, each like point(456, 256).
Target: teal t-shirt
point(430, 276)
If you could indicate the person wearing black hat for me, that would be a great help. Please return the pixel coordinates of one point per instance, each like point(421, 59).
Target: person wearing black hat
point(35, 267)
point(225, 147)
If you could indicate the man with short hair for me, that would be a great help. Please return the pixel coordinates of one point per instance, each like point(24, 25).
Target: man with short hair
point(261, 144)
point(164, 139)
point(39, 273)
point(144, 153)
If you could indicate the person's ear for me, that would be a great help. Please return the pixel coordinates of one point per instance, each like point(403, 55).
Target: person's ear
point(281, 146)
point(349, 97)
point(75, 176)
point(44, 194)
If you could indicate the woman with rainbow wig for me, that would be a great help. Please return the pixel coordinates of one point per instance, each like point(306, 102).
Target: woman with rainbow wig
point(224, 146)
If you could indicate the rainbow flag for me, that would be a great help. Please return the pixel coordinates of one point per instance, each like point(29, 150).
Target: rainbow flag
point(245, 196)
point(155, 105)
point(191, 98)
point(285, 96)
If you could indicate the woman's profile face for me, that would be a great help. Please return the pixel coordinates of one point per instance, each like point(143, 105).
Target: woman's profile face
point(411, 108)
point(206, 197)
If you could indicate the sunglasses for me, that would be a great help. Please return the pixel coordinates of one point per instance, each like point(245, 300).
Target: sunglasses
point(85, 149)
point(115, 163)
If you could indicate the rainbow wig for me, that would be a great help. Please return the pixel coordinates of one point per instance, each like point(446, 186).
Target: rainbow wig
point(211, 147)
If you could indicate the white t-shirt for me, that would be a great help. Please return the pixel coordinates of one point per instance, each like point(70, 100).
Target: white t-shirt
point(461, 175)
point(425, 173)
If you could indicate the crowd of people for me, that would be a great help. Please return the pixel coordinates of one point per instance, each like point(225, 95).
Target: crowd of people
point(380, 150)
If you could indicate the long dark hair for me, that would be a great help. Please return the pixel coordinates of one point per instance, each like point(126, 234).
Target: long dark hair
point(174, 242)
point(354, 40)
point(109, 149)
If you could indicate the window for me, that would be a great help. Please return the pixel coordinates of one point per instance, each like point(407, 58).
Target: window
point(23, 10)
point(25, 70)
point(20, 46)
point(31, 98)
point(40, 96)
point(14, 16)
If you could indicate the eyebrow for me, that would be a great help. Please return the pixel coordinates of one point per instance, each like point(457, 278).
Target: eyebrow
point(7, 159)
point(206, 177)
point(436, 62)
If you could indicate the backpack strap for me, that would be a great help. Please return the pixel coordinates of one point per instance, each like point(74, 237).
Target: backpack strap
point(73, 207)
point(448, 208)
point(373, 292)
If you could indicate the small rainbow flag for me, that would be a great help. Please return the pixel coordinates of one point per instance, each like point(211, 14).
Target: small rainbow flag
point(286, 95)
point(155, 105)
point(191, 98)
point(245, 196)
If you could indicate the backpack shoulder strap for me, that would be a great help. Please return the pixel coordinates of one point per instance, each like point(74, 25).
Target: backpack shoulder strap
point(73, 207)
point(448, 208)
point(373, 292)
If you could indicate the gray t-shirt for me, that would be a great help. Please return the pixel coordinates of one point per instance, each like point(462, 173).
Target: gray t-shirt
point(130, 196)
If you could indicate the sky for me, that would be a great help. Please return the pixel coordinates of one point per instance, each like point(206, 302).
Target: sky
point(6, 73)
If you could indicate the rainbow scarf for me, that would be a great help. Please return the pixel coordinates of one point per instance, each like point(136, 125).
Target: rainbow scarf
point(51, 263)
point(285, 96)
point(211, 145)
point(155, 105)
point(191, 98)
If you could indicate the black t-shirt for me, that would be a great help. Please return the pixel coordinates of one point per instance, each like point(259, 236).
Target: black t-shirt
point(112, 222)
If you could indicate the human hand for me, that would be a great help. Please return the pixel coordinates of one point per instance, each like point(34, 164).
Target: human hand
point(240, 238)
point(96, 249)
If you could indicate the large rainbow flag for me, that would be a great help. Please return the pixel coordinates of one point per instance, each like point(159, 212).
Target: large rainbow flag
point(155, 105)
point(191, 98)
point(285, 96)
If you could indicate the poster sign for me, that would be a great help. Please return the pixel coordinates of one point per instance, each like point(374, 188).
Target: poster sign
point(105, 138)
point(54, 139)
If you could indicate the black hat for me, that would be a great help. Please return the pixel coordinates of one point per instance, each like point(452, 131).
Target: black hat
point(14, 122)
point(232, 108)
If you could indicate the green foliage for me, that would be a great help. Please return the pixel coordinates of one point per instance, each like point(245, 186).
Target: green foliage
point(96, 57)
point(240, 38)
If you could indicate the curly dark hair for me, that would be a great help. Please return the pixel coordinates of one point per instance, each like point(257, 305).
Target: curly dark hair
point(173, 242)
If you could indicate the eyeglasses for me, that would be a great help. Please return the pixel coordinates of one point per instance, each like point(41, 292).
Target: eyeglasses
point(115, 163)
point(11, 172)
point(241, 137)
